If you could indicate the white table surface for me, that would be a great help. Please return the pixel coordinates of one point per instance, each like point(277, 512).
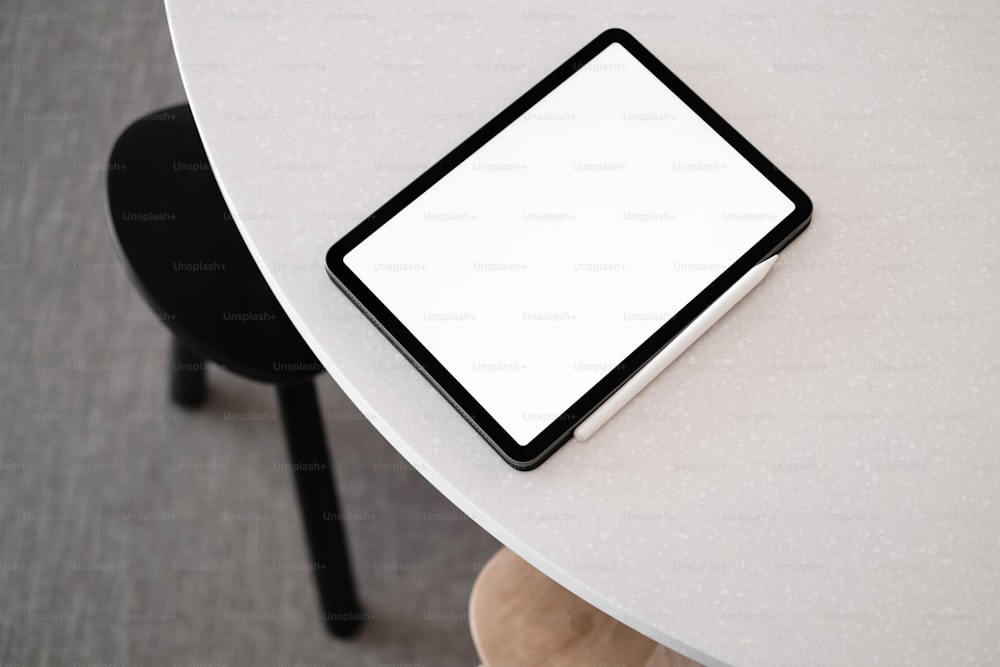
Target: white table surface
point(817, 481)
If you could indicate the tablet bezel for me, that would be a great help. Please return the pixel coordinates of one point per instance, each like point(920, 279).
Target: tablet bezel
point(525, 457)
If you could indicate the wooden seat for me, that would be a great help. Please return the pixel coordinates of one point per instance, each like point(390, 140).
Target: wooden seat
point(521, 618)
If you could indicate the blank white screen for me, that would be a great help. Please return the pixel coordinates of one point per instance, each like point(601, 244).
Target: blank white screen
point(543, 260)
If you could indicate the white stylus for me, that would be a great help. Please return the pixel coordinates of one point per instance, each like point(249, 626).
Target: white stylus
point(674, 349)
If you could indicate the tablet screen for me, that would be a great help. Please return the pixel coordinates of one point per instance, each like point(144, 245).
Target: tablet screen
point(541, 261)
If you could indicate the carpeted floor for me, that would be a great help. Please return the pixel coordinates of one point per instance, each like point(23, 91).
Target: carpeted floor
point(132, 533)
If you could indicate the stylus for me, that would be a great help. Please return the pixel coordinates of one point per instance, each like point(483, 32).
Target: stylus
point(674, 349)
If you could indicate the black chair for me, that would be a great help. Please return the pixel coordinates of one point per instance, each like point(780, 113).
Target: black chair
point(183, 252)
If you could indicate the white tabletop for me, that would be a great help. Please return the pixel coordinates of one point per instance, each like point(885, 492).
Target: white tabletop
point(817, 481)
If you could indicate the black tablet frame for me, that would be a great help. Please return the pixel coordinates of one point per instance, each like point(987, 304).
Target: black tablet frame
point(525, 457)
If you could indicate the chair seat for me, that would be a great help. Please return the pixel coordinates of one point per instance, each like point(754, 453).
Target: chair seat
point(518, 616)
point(185, 255)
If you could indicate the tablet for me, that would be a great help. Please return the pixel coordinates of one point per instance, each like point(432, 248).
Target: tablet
point(540, 264)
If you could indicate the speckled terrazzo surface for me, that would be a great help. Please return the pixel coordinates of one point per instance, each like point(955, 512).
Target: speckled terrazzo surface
point(816, 481)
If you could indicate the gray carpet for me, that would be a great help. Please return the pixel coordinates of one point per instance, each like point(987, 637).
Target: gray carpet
point(132, 533)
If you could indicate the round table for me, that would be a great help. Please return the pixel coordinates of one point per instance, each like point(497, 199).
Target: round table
point(816, 481)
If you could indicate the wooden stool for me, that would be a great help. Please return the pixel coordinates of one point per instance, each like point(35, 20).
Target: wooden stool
point(521, 618)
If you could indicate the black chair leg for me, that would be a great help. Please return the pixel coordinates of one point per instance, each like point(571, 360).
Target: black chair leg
point(187, 376)
point(321, 515)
